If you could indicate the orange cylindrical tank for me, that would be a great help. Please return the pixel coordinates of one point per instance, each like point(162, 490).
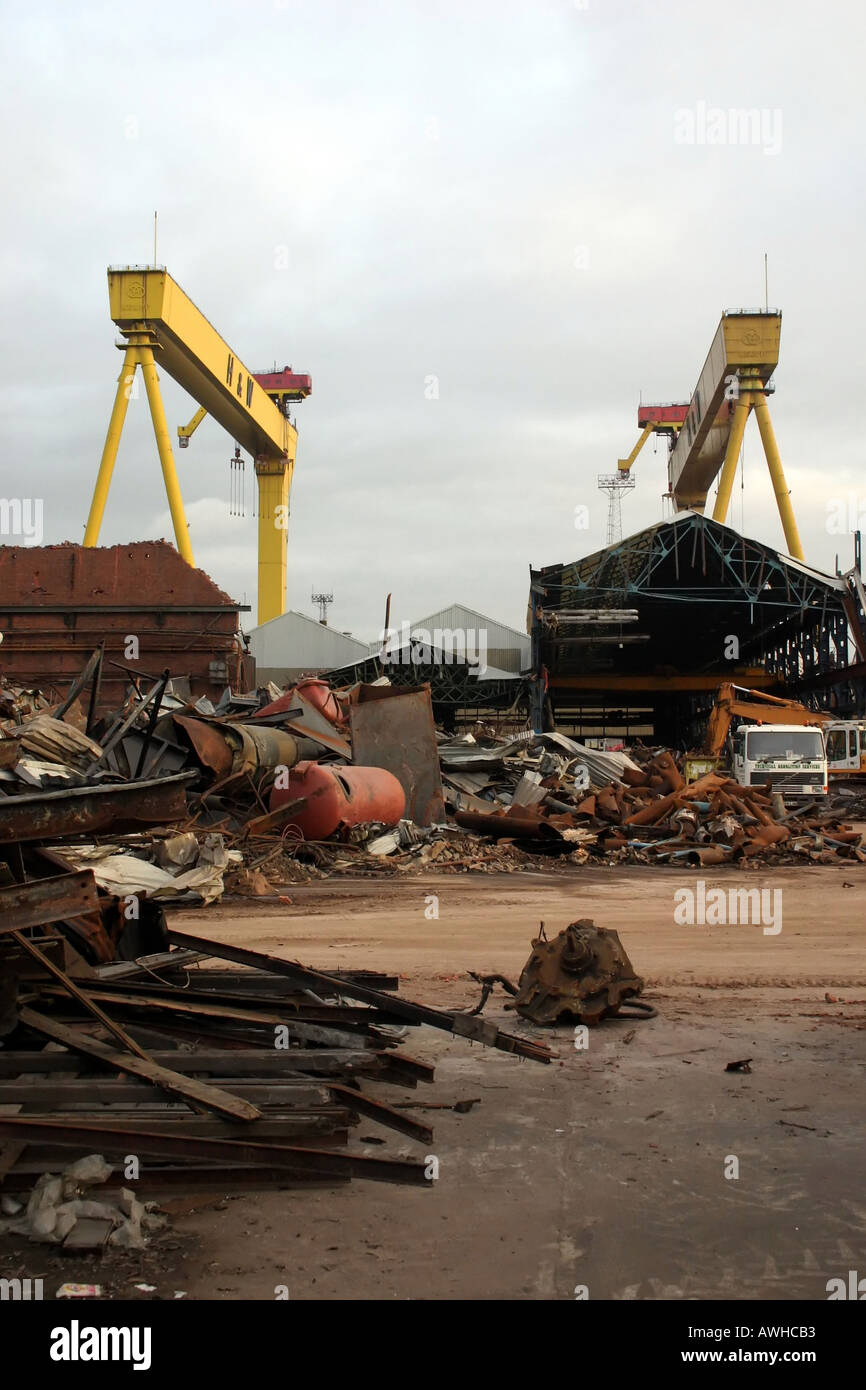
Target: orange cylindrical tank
point(339, 796)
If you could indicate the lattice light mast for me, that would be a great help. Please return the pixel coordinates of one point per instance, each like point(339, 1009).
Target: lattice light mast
point(614, 484)
point(323, 600)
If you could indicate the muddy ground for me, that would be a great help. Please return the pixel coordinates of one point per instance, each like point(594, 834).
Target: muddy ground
point(604, 1172)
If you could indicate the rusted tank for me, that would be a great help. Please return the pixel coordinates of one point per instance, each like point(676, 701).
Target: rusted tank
point(340, 796)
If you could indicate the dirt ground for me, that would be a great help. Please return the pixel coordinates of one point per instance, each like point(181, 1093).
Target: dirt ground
point(605, 1172)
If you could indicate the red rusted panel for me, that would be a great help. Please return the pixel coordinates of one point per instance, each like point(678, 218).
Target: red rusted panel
point(297, 385)
point(58, 602)
point(669, 414)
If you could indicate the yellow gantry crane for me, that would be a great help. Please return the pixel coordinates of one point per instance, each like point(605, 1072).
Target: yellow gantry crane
point(161, 324)
point(707, 434)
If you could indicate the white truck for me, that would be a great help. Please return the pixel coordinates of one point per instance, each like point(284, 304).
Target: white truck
point(792, 757)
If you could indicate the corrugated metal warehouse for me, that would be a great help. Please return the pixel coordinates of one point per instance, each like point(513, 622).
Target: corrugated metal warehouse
point(294, 645)
point(458, 627)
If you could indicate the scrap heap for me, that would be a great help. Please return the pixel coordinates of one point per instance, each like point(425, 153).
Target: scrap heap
point(642, 814)
point(172, 801)
point(220, 1078)
point(118, 1035)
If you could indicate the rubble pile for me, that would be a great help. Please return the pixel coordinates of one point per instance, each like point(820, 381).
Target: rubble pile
point(174, 800)
point(112, 1038)
point(215, 1078)
point(649, 814)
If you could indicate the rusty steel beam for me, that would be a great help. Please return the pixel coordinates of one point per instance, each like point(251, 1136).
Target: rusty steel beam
point(381, 1113)
point(112, 806)
point(195, 1093)
point(250, 1008)
point(464, 1025)
point(45, 900)
point(44, 1093)
point(229, 1065)
point(183, 1179)
point(96, 1138)
point(70, 987)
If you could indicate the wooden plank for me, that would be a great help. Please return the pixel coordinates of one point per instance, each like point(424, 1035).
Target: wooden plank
point(196, 1093)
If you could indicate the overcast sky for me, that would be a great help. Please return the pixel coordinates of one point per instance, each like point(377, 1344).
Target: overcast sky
point(500, 196)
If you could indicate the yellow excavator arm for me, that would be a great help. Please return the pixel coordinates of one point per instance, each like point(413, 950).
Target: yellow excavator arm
point(763, 708)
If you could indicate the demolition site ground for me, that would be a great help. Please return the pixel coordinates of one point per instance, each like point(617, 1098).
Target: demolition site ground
point(602, 1175)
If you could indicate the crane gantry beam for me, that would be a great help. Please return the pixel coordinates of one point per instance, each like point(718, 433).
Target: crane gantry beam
point(161, 324)
point(707, 435)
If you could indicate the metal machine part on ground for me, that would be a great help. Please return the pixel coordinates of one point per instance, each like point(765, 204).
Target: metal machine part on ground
point(583, 973)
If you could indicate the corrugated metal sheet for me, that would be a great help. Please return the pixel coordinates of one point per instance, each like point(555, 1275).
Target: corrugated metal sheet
point(294, 643)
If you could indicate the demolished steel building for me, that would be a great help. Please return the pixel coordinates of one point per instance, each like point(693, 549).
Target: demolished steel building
point(640, 635)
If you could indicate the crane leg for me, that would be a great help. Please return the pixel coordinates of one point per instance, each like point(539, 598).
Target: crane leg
point(274, 480)
point(109, 452)
point(166, 458)
point(732, 454)
point(780, 487)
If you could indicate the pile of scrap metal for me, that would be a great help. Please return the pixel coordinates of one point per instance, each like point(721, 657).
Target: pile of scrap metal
point(211, 1077)
point(73, 796)
point(649, 814)
point(171, 800)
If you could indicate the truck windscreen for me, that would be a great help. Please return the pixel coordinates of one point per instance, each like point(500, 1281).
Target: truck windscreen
point(784, 743)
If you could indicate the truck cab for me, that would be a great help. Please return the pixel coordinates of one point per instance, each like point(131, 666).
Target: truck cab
point(792, 758)
point(846, 748)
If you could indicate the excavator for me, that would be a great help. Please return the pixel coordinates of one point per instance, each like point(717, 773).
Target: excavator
point(796, 748)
